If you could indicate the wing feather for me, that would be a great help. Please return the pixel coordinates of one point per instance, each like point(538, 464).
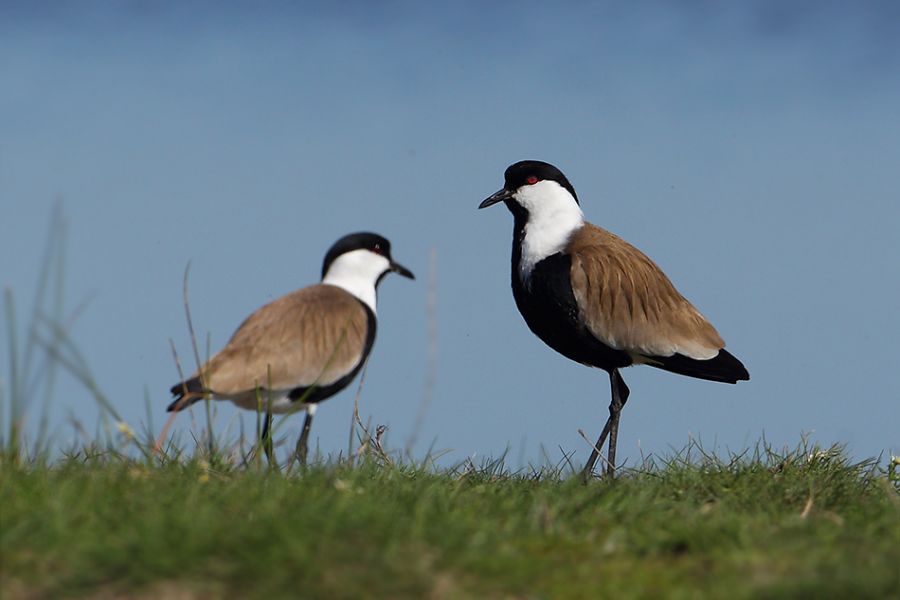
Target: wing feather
point(314, 335)
point(630, 304)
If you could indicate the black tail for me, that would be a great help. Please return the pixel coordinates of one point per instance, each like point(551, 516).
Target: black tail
point(723, 367)
point(186, 393)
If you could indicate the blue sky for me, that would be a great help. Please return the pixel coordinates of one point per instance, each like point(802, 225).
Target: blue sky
point(750, 149)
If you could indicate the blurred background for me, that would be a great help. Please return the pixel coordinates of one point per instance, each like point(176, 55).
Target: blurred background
point(751, 149)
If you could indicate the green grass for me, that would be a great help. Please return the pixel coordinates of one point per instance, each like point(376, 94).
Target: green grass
point(806, 523)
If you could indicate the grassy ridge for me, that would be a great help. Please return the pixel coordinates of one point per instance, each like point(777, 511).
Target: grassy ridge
point(803, 524)
point(214, 522)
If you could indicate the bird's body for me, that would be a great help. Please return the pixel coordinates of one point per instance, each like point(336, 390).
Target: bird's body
point(595, 298)
point(644, 320)
point(305, 346)
point(298, 361)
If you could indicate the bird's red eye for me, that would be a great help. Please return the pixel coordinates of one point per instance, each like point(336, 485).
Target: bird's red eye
point(377, 249)
point(531, 180)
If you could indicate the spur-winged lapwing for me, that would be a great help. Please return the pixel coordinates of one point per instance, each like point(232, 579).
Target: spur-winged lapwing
point(303, 347)
point(595, 298)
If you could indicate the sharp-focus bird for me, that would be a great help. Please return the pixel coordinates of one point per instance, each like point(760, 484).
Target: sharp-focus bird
point(595, 298)
point(303, 347)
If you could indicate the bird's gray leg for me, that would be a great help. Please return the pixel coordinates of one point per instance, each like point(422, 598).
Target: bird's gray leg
point(620, 393)
point(595, 453)
point(303, 442)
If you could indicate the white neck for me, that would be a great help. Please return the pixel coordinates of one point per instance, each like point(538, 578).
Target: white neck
point(358, 272)
point(553, 215)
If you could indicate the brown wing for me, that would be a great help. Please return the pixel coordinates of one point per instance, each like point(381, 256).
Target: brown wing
point(311, 336)
point(630, 304)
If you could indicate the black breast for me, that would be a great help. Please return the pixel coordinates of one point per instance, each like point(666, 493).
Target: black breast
point(551, 312)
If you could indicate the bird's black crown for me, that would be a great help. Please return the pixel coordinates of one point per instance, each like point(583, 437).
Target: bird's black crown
point(529, 172)
point(362, 240)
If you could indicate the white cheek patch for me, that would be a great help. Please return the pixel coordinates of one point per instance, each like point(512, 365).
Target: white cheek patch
point(358, 272)
point(553, 216)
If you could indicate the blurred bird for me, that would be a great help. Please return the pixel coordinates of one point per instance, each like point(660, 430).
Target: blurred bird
point(303, 347)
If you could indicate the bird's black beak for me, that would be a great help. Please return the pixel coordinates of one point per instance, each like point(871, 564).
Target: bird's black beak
point(500, 196)
point(401, 270)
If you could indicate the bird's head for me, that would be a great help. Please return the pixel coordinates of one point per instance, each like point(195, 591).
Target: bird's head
point(534, 187)
point(360, 259)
